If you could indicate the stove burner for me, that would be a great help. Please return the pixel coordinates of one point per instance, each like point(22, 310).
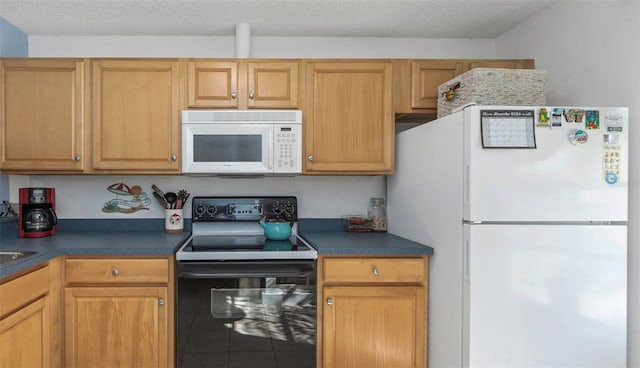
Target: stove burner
point(240, 243)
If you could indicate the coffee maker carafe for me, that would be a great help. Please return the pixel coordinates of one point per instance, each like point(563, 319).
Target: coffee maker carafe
point(36, 212)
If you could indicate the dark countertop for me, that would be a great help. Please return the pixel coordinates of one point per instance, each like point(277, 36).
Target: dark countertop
point(76, 238)
point(342, 242)
point(328, 237)
point(146, 237)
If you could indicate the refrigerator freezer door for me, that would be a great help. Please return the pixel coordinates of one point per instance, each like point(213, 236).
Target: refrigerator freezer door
point(556, 181)
point(546, 296)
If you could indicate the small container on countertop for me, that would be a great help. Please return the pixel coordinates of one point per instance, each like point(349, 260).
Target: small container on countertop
point(173, 221)
point(356, 223)
point(377, 214)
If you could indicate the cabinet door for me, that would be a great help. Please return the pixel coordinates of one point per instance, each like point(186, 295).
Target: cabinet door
point(42, 114)
point(505, 64)
point(116, 327)
point(136, 116)
point(372, 326)
point(427, 76)
point(212, 84)
point(349, 125)
point(25, 336)
point(273, 84)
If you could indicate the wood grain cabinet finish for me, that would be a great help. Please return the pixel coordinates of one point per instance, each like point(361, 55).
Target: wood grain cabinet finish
point(30, 319)
point(42, 122)
point(416, 82)
point(376, 319)
point(349, 127)
point(136, 115)
point(119, 312)
point(504, 64)
point(243, 84)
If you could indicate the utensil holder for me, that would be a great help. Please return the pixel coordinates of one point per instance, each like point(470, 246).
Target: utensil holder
point(173, 221)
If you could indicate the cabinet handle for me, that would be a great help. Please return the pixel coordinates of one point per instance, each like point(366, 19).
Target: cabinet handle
point(251, 95)
point(174, 157)
point(310, 157)
point(76, 158)
point(376, 272)
point(115, 272)
point(234, 95)
point(161, 301)
point(329, 301)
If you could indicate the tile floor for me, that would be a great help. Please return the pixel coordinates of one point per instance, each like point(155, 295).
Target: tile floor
point(253, 336)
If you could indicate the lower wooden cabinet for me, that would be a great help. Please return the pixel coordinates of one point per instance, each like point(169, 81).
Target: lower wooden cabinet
point(376, 316)
point(119, 312)
point(116, 327)
point(27, 326)
point(24, 336)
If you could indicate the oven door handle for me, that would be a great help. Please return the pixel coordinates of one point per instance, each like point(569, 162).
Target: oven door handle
point(209, 271)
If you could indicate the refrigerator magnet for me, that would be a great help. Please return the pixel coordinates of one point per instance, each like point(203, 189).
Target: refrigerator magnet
point(593, 119)
point(614, 123)
point(611, 178)
point(556, 117)
point(578, 136)
point(543, 118)
point(570, 115)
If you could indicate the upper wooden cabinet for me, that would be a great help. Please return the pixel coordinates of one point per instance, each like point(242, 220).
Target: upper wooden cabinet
point(505, 64)
point(416, 82)
point(136, 115)
point(42, 123)
point(242, 84)
point(348, 127)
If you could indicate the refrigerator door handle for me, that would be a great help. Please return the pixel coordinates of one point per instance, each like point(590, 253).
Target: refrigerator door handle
point(467, 193)
point(465, 256)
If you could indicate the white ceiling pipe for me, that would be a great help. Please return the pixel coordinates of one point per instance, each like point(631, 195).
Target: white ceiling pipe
point(243, 40)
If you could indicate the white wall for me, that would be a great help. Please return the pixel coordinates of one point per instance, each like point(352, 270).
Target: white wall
point(332, 196)
point(13, 43)
point(318, 197)
point(261, 47)
point(591, 52)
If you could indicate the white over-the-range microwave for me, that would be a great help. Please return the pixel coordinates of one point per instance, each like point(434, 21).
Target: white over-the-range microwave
point(241, 142)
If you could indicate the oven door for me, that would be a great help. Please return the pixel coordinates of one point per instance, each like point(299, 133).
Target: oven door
point(247, 313)
point(227, 148)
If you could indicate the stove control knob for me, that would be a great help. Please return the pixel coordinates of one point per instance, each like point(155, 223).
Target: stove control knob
point(289, 208)
point(277, 208)
point(211, 210)
point(200, 209)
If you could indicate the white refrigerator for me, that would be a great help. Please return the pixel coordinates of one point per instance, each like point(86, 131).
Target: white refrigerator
point(526, 208)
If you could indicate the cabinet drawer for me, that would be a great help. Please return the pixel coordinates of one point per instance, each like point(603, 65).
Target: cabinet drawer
point(374, 270)
point(118, 271)
point(24, 289)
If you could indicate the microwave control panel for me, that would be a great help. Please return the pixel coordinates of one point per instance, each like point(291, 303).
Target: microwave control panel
point(287, 148)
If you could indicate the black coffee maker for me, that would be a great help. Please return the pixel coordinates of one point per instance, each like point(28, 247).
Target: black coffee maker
point(36, 212)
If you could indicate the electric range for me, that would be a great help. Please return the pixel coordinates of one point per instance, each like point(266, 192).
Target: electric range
point(228, 228)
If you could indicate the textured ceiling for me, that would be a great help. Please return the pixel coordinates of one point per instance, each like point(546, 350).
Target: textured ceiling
point(322, 18)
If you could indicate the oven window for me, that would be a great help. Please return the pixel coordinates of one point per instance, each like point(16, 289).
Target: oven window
point(227, 148)
point(247, 322)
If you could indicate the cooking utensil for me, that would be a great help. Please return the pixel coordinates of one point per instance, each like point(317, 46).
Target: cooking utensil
point(157, 190)
point(182, 198)
point(161, 199)
point(171, 198)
